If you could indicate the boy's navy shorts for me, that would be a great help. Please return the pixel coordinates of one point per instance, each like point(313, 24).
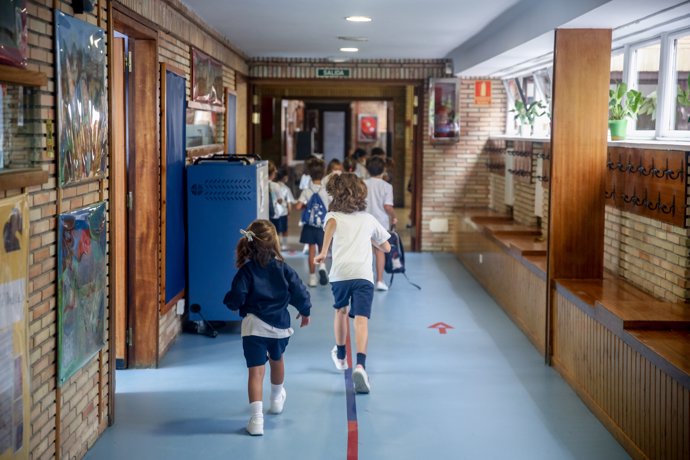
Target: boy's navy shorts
point(359, 294)
point(257, 349)
point(311, 235)
point(281, 224)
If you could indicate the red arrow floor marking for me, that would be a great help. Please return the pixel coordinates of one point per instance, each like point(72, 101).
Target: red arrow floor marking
point(441, 327)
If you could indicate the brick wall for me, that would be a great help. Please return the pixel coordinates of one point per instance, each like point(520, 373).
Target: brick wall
point(67, 420)
point(650, 254)
point(455, 176)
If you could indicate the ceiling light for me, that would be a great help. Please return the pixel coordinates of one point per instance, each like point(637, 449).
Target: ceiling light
point(349, 50)
point(358, 19)
point(338, 59)
point(353, 39)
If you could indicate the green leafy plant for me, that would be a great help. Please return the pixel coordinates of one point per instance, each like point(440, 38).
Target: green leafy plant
point(648, 105)
point(624, 103)
point(683, 97)
point(528, 114)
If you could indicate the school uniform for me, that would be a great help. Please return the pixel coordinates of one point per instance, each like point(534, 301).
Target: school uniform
point(351, 277)
point(279, 219)
point(311, 234)
point(379, 194)
point(262, 295)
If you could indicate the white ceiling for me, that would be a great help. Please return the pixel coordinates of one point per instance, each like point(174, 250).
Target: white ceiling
point(482, 37)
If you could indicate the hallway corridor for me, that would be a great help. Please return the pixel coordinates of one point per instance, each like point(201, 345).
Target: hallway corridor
point(479, 391)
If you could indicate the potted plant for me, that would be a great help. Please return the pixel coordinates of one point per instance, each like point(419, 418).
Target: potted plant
point(527, 114)
point(683, 100)
point(624, 103)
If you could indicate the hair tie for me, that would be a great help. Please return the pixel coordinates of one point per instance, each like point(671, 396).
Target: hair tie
point(250, 235)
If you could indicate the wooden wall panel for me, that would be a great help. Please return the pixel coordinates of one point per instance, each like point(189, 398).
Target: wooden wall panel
point(647, 410)
point(582, 59)
point(519, 291)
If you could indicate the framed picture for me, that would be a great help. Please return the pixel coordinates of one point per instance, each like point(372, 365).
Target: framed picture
point(444, 122)
point(82, 106)
point(367, 128)
point(82, 284)
point(14, 38)
point(207, 79)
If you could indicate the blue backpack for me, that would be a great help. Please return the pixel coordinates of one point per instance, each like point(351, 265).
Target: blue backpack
point(314, 212)
point(395, 259)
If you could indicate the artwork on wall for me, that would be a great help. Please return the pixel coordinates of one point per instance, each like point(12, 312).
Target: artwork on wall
point(444, 123)
point(82, 99)
point(81, 287)
point(207, 79)
point(14, 38)
point(15, 397)
point(367, 128)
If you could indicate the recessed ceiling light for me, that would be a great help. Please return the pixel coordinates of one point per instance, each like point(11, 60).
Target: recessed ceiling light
point(358, 19)
point(349, 50)
point(338, 59)
point(353, 39)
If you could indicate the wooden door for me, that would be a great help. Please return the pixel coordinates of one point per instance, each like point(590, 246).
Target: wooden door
point(143, 203)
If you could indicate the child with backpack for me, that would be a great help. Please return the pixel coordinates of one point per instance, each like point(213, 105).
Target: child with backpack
point(261, 290)
point(313, 202)
point(353, 232)
point(380, 205)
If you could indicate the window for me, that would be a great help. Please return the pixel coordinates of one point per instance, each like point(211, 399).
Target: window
point(645, 78)
point(679, 87)
point(616, 69)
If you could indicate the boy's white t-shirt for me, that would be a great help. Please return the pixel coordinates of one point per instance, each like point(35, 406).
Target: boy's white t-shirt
point(352, 245)
point(314, 188)
point(379, 193)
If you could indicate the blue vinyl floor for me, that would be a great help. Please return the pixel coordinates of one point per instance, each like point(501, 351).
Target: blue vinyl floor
point(480, 391)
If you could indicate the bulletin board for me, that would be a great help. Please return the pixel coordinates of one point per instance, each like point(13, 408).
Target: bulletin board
point(15, 398)
point(175, 154)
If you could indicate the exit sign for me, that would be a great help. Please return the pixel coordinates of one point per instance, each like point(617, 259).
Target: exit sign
point(328, 72)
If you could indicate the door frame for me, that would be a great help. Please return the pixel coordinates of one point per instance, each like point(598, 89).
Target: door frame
point(143, 265)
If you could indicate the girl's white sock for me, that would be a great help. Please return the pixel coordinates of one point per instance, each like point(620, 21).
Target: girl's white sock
point(257, 408)
point(275, 391)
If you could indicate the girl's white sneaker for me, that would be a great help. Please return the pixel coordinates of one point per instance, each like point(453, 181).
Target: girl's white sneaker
point(255, 427)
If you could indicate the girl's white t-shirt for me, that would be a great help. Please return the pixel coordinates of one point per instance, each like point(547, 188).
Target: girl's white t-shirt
point(351, 246)
point(281, 190)
point(379, 194)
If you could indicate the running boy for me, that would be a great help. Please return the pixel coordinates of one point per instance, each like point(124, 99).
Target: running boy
point(313, 218)
point(261, 291)
point(353, 232)
point(380, 205)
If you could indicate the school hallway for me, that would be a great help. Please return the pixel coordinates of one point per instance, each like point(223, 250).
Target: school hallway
point(478, 391)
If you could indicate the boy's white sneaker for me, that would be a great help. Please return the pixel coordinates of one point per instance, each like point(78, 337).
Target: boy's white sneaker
point(313, 282)
point(323, 275)
point(255, 427)
point(340, 364)
point(361, 380)
point(381, 286)
point(277, 404)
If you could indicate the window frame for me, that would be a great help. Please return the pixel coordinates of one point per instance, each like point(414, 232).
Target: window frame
point(629, 74)
point(665, 126)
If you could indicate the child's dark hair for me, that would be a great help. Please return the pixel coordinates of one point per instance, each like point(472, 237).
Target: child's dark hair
point(376, 165)
point(378, 152)
point(359, 153)
point(259, 243)
point(315, 168)
point(281, 173)
point(349, 193)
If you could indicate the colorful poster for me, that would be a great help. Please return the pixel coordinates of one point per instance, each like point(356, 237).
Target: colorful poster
point(207, 78)
point(368, 128)
point(82, 99)
point(14, 365)
point(81, 287)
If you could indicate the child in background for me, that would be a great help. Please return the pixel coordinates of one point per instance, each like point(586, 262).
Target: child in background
point(284, 199)
point(262, 289)
point(353, 232)
point(334, 167)
point(380, 205)
point(312, 231)
point(360, 157)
